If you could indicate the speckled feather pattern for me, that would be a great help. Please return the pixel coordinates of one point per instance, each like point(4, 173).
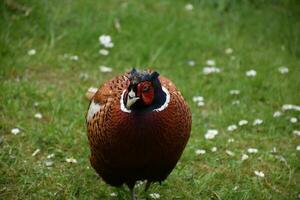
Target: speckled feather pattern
point(126, 147)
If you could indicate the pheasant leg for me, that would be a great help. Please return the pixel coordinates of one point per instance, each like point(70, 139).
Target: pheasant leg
point(132, 194)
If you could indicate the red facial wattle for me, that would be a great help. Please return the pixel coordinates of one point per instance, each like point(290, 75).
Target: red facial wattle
point(148, 95)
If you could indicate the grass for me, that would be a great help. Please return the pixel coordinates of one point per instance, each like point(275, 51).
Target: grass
point(264, 36)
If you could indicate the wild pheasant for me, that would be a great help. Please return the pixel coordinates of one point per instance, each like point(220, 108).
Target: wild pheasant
point(138, 126)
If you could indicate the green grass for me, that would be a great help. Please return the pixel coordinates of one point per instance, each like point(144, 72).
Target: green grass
point(162, 35)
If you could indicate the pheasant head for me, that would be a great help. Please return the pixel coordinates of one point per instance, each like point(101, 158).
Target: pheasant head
point(144, 92)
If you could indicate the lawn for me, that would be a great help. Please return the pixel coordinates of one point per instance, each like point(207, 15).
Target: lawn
point(49, 57)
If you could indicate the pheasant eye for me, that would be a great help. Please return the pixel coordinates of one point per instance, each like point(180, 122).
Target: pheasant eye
point(146, 88)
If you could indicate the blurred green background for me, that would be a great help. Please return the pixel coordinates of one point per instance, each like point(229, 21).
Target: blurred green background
point(49, 57)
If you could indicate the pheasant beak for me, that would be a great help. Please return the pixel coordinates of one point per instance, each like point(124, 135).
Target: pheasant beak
point(131, 99)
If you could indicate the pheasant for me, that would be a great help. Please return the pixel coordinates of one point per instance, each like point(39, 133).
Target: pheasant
point(138, 126)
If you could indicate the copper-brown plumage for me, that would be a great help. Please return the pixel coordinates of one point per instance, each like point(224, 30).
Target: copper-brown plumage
point(126, 147)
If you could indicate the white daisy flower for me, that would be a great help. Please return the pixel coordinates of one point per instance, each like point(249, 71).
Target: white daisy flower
point(110, 45)
point(200, 103)
point(103, 52)
point(296, 132)
point(31, 52)
point(230, 140)
point(214, 149)
point(231, 127)
point(189, 7)
point(35, 152)
point(93, 90)
point(274, 150)
point(74, 58)
point(71, 160)
point(259, 174)
point(298, 148)
point(234, 92)
point(286, 107)
point(198, 98)
point(200, 151)
point(48, 163)
point(15, 131)
point(154, 195)
point(230, 153)
point(105, 69)
point(243, 122)
point(113, 194)
point(293, 120)
point(245, 157)
point(191, 63)
point(105, 40)
point(211, 134)
point(257, 122)
point(36, 104)
point(51, 155)
point(229, 51)
point(283, 70)
point(211, 62)
point(252, 150)
point(38, 115)
point(211, 70)
point(277, 114)
point(251, 73)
